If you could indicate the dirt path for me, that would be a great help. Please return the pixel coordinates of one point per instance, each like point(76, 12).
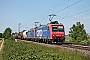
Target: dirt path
point(2, 44)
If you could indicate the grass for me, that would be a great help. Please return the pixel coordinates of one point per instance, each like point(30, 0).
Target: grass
point(67, 39)
point(29, 51)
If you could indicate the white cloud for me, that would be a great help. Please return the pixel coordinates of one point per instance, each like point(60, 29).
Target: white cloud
point(3, 16)
point(86, 18)
point(78, 16)
point(81, 17)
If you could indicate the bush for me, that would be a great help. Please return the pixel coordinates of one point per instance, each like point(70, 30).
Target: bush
point(78, 33)
point(7, 33)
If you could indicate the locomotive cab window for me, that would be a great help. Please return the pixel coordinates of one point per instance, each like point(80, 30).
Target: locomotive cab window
point(58, 28)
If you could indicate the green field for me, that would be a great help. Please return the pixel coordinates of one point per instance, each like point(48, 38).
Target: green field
point(29, 51)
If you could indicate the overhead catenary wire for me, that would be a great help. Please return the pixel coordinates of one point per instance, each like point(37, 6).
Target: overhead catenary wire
point(76, 10)
point(55, 8)
point(76, 13)
point(51, 9)
point(66, 8)
point(61, 3)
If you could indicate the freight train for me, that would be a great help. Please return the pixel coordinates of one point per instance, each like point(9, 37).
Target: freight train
point(53, 32)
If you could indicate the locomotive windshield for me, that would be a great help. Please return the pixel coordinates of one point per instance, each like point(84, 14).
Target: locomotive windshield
point(58, 28)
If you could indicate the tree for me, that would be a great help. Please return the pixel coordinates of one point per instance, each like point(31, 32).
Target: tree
point(7, 33)
point(78, 33)
point(0, 35)
point(23, 30)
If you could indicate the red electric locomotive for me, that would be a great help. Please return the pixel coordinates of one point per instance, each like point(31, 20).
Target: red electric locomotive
point(57, 33)
point(50, 33)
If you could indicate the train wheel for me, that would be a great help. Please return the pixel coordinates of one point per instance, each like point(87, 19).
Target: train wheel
point(49, 42)
point(45, 41)
point(39, 41)
point(59, 43)
point(34, 40)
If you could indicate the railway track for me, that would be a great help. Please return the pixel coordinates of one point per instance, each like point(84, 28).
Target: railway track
point(82, 48)
point(77, 46)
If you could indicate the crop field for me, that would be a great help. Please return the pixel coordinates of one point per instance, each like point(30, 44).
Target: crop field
point(29, 51)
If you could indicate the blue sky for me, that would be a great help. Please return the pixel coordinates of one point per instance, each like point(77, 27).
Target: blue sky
point(26, 12)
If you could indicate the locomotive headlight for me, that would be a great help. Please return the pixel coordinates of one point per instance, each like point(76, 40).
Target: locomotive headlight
point(53, 35)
